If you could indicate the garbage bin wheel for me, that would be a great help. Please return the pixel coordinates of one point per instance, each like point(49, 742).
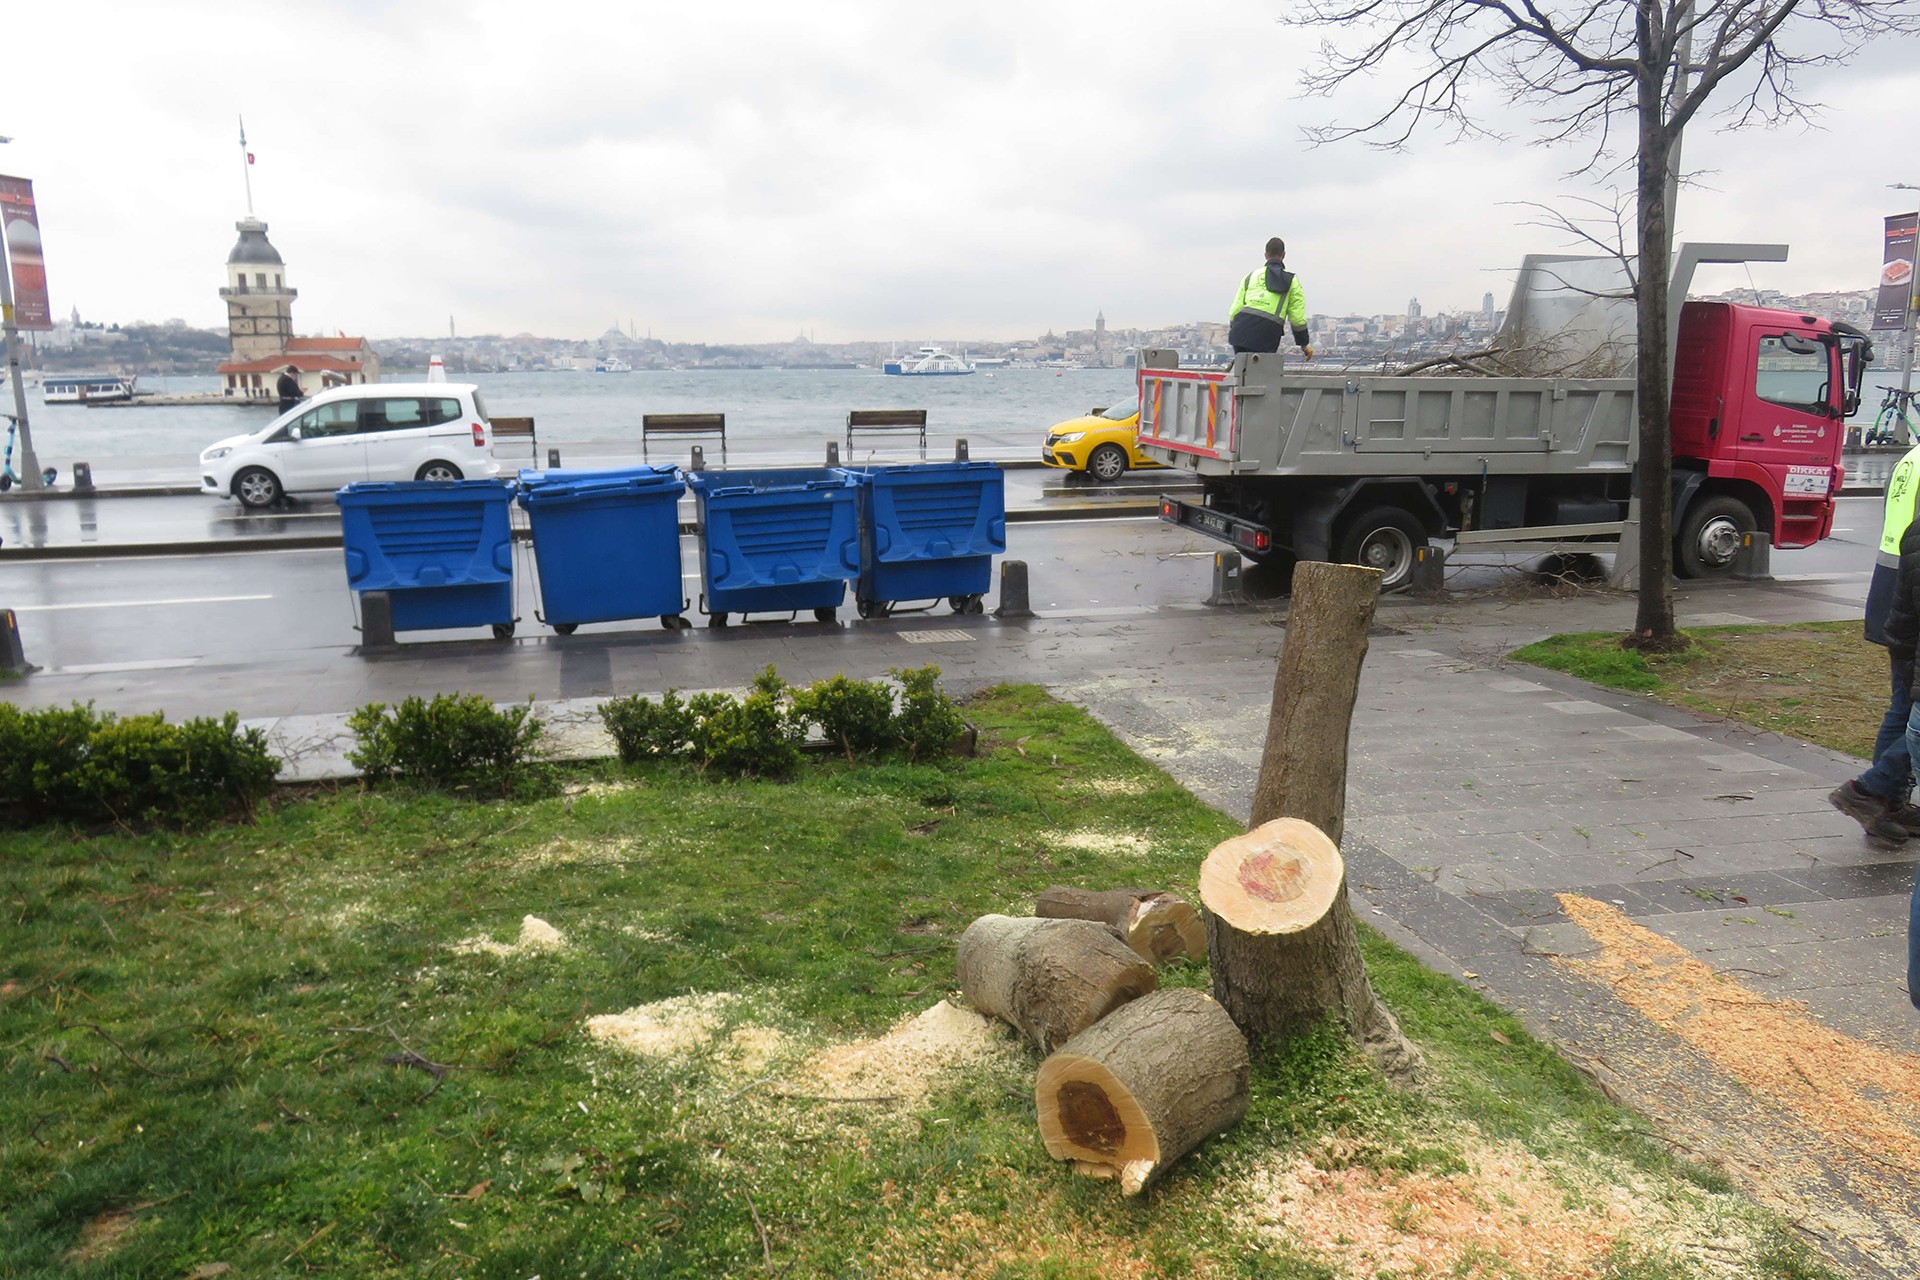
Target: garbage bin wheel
point(826, 615)
point(873, 608)
point(967, 604)
point(717, 620)
point(674, 622)
point(566, 628)
point(503, 631)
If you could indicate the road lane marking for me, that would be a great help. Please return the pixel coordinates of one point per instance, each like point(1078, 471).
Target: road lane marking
point(104, 668)
point(133, 604)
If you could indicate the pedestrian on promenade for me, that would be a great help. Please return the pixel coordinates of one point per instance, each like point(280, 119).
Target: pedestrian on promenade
point(1903, 635)
point(1878, 798)
point(287, 387)
point(1269, 302)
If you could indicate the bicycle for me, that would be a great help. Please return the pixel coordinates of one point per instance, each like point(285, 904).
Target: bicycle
point(1894, 425)
point(8, 476)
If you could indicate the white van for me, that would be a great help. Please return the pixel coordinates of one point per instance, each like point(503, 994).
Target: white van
point(380, 431)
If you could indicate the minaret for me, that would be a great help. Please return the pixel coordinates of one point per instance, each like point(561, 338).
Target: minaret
point(259, 301)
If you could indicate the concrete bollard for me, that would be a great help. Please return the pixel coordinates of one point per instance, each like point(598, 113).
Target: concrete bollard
point(376, 620)
point(960, 450)
point(1429, 577)
point(553, 459)
point(1228, 577)
point(698, 462)
point(1754, 561)
point(833, 453)
point(1013, 590)
point(82, 477)
point(13, 655)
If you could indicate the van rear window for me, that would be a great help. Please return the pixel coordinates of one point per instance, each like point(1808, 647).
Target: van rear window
point(480, 408)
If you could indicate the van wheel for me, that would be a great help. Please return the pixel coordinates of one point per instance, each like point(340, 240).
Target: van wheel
point(1383, 539)
point(438, 472)
point(1108, 463)
point(257, 487)
point(1710, 537)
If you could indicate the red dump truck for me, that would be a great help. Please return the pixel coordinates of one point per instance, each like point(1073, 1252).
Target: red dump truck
point(1296, 464)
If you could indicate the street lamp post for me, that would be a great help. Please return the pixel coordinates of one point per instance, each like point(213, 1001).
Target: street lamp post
point(29, 464)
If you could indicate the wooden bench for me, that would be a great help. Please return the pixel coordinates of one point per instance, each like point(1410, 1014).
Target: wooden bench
point(683, 424)
point(516, 429)
point(914, 420)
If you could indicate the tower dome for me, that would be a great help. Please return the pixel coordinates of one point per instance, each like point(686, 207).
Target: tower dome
point(253, 247)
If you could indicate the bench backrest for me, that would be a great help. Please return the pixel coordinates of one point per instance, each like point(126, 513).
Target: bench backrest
point(683, 424)
point(914, 420)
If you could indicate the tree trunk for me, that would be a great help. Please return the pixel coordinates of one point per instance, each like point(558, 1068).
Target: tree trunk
point(1653, 625)
point(1303, 774)
point(1154, 923)
point(1133, 1093)
point(1049, 978)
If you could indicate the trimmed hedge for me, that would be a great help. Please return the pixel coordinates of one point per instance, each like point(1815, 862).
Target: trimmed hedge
point(456, 742)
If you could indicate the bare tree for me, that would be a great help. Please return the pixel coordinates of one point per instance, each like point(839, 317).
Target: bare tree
point(1623, 77)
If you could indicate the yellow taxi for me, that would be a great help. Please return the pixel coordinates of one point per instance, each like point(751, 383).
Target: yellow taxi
point(1104, 444)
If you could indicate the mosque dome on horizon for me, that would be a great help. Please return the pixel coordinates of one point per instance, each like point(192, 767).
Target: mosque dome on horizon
point(253, 247)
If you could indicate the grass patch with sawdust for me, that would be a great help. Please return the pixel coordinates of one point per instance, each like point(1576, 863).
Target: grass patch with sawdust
point(331, 1042)
point(1820, 681)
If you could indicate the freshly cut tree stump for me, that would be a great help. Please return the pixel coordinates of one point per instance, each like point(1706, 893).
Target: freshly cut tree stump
point(1049, 978)
point(1155, 923)
point(1148, 1083)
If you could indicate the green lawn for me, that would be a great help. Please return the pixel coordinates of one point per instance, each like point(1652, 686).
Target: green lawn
point(284, 1048)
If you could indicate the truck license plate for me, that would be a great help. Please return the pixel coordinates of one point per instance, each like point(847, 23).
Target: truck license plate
point(1808, 481)
point(1210, 522)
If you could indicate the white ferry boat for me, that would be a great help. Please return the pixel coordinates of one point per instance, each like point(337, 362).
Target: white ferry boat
point(927, 362)
point(612, 364)
point(86, 388)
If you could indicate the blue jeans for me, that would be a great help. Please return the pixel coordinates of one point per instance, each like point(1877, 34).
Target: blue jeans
point(1891, 775)
point(1913, 907)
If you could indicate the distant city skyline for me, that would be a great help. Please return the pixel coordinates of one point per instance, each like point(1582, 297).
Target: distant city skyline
point(766, 172)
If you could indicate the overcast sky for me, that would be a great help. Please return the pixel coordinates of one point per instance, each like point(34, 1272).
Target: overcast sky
point(747, 172)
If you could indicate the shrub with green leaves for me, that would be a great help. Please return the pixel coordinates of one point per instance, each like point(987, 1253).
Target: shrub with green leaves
point(928, 722)
point(756, 736)
point(71, 764)
point(456, 742)
point(645, 730)
point(854, 715)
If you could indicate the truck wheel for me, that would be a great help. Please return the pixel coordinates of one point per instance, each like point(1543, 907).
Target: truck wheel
point(1108, 463)
point(1383, 539)
point(1710, 537)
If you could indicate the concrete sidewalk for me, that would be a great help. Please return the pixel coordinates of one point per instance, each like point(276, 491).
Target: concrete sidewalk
point(1479, 793)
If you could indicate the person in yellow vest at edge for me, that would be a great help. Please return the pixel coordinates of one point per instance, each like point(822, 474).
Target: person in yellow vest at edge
point(1877, 799)
point(1269, 302)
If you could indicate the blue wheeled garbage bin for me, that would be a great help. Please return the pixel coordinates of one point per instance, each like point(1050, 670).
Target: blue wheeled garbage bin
point(607, 544)
point(441, 550)
point(776, 541)
point(929, 531)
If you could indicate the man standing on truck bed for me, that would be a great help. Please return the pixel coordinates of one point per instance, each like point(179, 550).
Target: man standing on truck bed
point(1270, 299)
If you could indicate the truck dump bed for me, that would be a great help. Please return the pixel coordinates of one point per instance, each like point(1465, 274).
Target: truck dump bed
point(1254, 418)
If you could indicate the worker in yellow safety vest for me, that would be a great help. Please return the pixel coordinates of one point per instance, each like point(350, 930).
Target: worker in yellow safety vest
point(1269, 302)
point(1877, 799)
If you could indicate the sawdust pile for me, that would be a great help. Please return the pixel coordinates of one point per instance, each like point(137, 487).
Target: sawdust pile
point(1120, 786)
point(536, 937)
point(904, 1063)
point(1863, 1097)
point(566, 851)
point(1092, 840)
point(666, 1028)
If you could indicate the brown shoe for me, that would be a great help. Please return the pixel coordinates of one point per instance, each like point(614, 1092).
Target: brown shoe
point(1869, 810)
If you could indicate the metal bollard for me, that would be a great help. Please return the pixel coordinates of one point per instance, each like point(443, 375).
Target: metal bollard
point(13, 656)
point(1429, 577)
point(1754, 561)
point(698, 462)
point(833, 453)
point(960, 450)
point(553, 459)
point(1013, 590)
point(376, 620)
point(1227, 579)
point(82, 478)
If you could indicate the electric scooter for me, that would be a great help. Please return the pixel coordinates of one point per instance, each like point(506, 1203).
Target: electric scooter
point(8, 477)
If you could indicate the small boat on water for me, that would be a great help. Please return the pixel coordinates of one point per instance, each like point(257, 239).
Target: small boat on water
point(612, 364)
point(87, 388)
point(927, 362)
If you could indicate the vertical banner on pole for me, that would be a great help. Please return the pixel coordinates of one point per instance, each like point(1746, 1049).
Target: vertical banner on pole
point(31, 309)
point(1892, 308)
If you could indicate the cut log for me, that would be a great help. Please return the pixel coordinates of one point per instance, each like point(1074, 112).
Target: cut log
point(1157, 924)
point(1133, 1093)
point(1049, 978)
